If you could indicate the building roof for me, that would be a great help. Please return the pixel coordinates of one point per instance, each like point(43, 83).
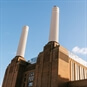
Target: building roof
point(76, 58)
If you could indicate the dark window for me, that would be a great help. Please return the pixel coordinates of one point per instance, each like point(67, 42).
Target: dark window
point(24, 85)
point(25, 75)
point(24, 79)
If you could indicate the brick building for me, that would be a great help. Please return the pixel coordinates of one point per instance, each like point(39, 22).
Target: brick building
point(55, 67)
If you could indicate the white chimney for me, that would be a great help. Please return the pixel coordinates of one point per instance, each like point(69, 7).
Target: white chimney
point(54, 27)
point(22, 42)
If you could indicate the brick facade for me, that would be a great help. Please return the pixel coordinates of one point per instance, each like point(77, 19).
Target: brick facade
point(52, 69)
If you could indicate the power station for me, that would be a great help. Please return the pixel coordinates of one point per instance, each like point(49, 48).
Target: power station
point(55, 66)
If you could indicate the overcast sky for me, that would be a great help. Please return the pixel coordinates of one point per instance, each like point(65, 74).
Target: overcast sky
point(14, 14)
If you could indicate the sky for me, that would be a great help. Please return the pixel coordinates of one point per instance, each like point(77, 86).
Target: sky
point(14, 14)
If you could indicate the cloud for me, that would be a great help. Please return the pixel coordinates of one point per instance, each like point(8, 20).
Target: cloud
point(79, 50)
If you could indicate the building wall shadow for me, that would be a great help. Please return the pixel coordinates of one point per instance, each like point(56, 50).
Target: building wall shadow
point(79, 83)
point(63, 82)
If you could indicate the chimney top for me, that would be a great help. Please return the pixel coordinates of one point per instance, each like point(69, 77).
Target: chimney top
point(55, 6)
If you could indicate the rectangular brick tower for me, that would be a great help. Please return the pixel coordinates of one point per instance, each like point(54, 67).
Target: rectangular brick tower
point(14, 72)
point(49, 67)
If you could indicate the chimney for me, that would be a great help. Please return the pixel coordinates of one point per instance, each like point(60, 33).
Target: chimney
point(22, 42)
point(54, 27)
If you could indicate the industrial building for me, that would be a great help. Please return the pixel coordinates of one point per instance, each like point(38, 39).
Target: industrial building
point(55, 66)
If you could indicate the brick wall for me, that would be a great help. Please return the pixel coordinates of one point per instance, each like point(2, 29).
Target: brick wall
point(80, 83)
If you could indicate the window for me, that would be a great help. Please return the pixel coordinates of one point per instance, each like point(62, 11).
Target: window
point(24, 79)
point(24, 85)
point(31, 76)
point(30, 84)
point(25, 75)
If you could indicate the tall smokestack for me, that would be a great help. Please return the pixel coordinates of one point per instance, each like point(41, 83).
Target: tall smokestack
point(54, 27)
point(22, 42)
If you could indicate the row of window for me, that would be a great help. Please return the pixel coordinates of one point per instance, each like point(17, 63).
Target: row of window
point(28, 81)
point(77, 72)
point(31, 78)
